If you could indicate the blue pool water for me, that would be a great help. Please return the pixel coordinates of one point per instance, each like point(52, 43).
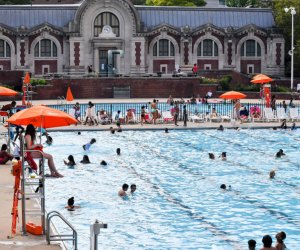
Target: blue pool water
point(178, 203)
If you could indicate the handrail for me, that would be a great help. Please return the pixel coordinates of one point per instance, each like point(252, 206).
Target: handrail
point(61, 99)
point(60, 237)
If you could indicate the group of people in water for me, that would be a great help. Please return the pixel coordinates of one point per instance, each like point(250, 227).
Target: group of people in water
point(267, 242)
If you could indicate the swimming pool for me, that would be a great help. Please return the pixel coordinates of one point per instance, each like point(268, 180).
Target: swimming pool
point(178, 203)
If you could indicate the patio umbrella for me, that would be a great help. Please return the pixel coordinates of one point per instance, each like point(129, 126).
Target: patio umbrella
point(232, 95)
point(42, 116)
point(7, 92)
point(261, 78)
point(69, 96)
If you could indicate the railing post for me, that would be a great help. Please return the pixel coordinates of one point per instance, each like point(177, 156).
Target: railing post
point(95, 230)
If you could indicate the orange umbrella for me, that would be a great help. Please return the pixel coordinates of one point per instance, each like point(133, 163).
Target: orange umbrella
point(69, 96)
point(232, 95)
point(7, 92)
point(26, 78)
point(42, 116)
point(261, 78)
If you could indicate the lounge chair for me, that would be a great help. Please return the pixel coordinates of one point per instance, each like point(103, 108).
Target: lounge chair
point(281, 114)
point(269, 115)
point(167, 117)
point(294, 114)
point(197, 118)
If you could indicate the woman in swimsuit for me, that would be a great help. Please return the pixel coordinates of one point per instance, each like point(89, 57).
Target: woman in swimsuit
point(30, 137)
point(154, 111)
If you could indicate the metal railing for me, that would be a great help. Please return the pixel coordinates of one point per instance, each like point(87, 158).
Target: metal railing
point(224, 108)
point(61, 237)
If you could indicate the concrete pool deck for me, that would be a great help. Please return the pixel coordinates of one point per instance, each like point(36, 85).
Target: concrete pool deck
point(7, 181)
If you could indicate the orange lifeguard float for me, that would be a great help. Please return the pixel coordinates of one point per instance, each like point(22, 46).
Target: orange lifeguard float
point(34, 229)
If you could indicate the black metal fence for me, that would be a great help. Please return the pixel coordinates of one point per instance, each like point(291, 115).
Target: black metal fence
point(224, 108)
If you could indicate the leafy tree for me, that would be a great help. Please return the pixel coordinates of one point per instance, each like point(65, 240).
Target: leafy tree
point(284, 21)
point(243, 3)
point(176, 2)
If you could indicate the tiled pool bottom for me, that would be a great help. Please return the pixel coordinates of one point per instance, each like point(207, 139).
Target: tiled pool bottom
point(178, 203)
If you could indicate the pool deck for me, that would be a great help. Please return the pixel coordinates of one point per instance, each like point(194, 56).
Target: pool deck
point(7, 181)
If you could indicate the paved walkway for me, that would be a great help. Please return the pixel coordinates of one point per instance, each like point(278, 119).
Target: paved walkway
point(7, 181)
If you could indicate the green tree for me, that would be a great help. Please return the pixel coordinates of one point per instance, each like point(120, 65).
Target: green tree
point(243, 3)
point(176, 2)
point(284, 21)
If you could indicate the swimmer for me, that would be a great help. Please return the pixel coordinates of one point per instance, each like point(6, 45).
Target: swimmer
point(223, 156)
point(280, 238)
point(251, 244)
point(267, 241)
point(88, 145)
point(118, 151)
point(223, 186)
point(279, 153)
point(112, 130)
point(71, 206)
point(221, 128)
point(272, 174)
point(79, 133)
point(122, 192)
point(70, 162)
point(85, 160)
point(166, 130)
point(103, 163)
point(132, 188)
point(211, 156)
point(49, 140)
point(293, 126)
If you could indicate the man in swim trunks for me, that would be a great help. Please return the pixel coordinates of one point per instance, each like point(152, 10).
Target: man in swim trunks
point(122, 192)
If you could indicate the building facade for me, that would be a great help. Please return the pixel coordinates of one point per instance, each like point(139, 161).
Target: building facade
point(116, 37)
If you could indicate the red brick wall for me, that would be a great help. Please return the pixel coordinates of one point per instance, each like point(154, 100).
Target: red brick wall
point(6, 64)
point(138, 53)
point(170, 63)
point(256, 63)
point(214, 63)
point(38, 66)
point(158, 87)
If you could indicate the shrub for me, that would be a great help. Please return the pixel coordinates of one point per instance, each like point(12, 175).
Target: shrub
point(35, 82)
point(224, 82)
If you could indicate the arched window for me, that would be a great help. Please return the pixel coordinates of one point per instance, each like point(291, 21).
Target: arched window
point(4, 49)
point(163, 47)
point(106, 18)
point(250, 48)
point(45, 48)
point(207, 47)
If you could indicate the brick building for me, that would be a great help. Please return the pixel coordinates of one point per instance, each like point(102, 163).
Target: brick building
point(114, 36)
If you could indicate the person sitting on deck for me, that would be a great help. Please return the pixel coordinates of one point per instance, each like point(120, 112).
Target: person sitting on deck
point(9, 108)
point(244, 113)
point(4, 155)
point(255, 112)
point(129, 116)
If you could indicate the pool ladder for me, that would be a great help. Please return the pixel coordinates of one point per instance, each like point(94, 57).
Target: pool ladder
point(61, 237)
